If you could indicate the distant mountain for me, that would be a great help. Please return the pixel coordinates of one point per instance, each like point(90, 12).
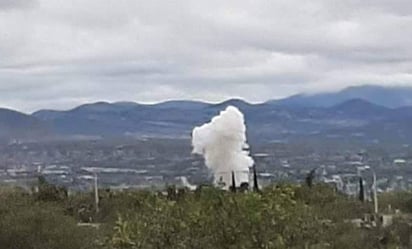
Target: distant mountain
point(360, 108)
point(180, 104)
point(119, 119)
point(352, 119)
point(239, 103)
point(392, 97)
point(367, 113)
point(16, 125)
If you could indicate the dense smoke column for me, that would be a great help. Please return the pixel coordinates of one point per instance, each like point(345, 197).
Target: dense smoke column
point(222, 142)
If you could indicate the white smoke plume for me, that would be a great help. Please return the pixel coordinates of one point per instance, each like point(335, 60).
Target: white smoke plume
point(222, 143)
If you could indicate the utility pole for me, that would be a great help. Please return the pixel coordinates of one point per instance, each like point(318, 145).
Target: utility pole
point(375, 194)
point(96, 193)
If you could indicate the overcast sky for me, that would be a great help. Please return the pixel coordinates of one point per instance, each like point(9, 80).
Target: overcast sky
point(61, 53)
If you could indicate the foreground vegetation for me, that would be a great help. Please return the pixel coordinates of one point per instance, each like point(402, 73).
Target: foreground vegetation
point(284, 216)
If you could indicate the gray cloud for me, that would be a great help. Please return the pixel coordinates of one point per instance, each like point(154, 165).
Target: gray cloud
point(17, 4)
point(57, 54)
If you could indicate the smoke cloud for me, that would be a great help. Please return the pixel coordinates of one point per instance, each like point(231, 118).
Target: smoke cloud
point(222, 143)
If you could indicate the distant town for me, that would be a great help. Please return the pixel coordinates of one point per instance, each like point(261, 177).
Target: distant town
point(154, 163)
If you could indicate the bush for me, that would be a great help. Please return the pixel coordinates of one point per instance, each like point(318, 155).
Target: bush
point(28, 224)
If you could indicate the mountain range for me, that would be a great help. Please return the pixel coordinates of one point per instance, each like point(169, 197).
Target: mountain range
point(367, 113)
point(391, 97)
